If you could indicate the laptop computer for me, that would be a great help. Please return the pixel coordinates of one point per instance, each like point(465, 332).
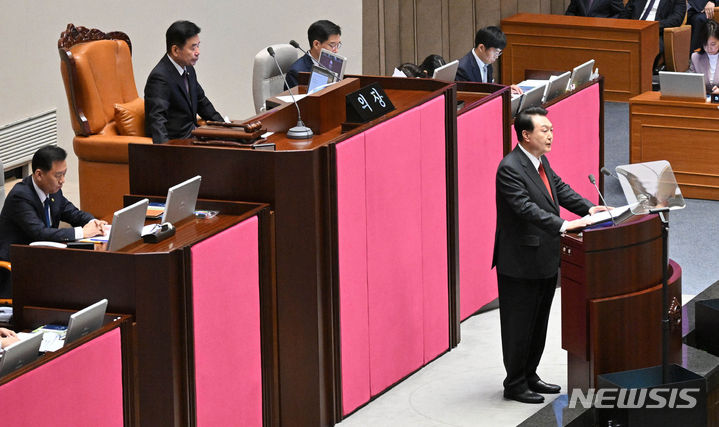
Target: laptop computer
point(582, 73)
point(319, 79)
point(516, 102)
point(87, 320)
point(127, 225)
point(181, 200)
point(532, 98)
point(20, 354)
point(446, 72)
point(557, 86)
point(334, 62)
point(682, 85)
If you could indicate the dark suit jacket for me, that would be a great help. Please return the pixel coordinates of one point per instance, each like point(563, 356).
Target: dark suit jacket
point(468, 70)
point(698, 5)
point(670, 13)
point(169, 112)
point(22, 219)
point(599, 8)
point(526, 244)
point(302, 65)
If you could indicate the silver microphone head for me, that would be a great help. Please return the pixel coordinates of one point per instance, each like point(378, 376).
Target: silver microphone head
point(591, 179)
point(605, 171)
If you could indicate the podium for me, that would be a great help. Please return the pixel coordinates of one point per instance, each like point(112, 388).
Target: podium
point(611, 300)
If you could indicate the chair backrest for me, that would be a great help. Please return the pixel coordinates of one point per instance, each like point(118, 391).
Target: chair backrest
point(266, 78)
point(97, 71)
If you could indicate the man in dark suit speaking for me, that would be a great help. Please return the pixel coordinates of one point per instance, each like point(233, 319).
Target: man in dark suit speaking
point(34, 208)
point(526, 250)
point(173, 96)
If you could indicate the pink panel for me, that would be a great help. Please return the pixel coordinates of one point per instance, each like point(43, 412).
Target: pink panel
point(80, 388)
point(226, 305)
point(434, 229)
point(394, 244)
point(352, 254)
point(575, 150)
point(479, 151)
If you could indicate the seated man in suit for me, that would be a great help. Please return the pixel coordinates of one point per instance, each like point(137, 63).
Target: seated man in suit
point(476, 66)
point(698, 13)
point(35, 206)
point(526, 250)
point(595, 8)
point(669, 13)
point(173, 96)
point(321, 34)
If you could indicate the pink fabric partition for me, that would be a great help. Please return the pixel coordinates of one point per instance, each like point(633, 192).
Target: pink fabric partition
point(352, 254)
point(80, 388)
point(479, 150)
point(434, 228)
point(226, 305)
point(394, 249)
point(575, 148)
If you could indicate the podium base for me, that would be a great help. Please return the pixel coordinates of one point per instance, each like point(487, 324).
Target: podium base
point(647, 401)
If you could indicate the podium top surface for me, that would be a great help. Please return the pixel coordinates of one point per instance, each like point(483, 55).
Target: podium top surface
point(578, 22)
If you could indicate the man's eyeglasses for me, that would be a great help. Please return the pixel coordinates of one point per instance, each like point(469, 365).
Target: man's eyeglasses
point(335, 46)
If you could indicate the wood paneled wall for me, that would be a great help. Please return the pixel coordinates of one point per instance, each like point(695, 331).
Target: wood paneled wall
point(398, 31)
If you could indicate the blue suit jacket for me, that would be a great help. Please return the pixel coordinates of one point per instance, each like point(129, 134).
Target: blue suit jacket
point(468, 70)
point(22, 219)
point(302, 65)
point(599, 9)
point(170, 113)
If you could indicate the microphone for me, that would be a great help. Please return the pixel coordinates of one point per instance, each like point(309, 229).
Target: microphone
point(594, 182)
point(300, 131)
point(605, 171)
point(316, 62)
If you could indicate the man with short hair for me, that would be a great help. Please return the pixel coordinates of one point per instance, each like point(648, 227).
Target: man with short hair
point(476, 66)
point(321, 34)
point(35, 206)
point(526, 250)
point(173, 96)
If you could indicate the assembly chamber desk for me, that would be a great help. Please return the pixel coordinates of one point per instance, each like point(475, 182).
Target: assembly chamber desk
point(365, 227)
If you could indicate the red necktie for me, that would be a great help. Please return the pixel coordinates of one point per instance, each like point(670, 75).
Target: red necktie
point(543, 175)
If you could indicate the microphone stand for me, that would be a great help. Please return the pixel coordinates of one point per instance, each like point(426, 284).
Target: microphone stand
point(609, 211)
point(300, 131)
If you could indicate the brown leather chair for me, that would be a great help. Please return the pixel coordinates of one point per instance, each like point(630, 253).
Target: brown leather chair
point(100, 86)
point(678, 46)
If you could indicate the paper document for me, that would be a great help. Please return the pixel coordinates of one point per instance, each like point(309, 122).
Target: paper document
point(288, 99)
point(605, 216)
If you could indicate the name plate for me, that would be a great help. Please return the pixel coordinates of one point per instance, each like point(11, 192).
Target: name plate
point(368, 103)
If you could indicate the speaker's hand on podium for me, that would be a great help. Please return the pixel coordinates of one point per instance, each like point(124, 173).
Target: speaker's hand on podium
point(577, 224)
point(599, 208)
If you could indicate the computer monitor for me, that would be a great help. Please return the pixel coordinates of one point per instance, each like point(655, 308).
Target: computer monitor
point(532, 98)
point(20, 354)
point(319, 79)
point(446, 72)
point(582, 73)
point(557, 86)
point(127, 225)
point(87, 320)
point(682, 85)
point(334, 62)
point(181, 200)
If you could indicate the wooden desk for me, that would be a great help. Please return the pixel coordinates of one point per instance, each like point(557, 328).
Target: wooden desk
point(87, 382)
point(365, 229)
point(204, 305)
point(623, 49)
point(682, 132)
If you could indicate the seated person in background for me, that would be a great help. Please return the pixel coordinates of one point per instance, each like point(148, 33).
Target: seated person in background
point(669, 13)
point(698, 13)
point(595, 8)
point(173, 96)
point(431, 63)
point(321, 34)
point(705, 61)
point(476, 66)
point(7, 337)
point(410, 70)
point(35, 206)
